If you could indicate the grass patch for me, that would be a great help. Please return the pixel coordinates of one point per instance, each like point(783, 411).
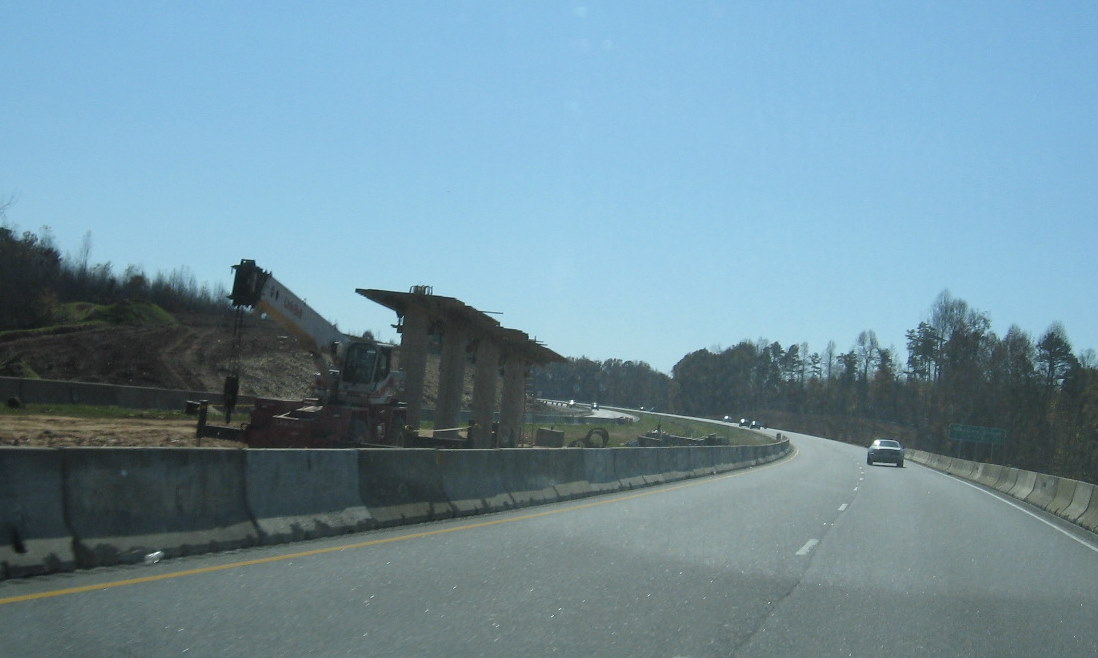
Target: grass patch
point(81, 316)
point(130, 312)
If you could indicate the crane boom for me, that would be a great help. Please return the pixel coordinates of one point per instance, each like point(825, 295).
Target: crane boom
point(258, 289)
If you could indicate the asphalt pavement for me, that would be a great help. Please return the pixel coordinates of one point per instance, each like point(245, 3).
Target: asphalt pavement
point(816, 555)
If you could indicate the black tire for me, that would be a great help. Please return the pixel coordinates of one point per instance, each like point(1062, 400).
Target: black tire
point(869, 461)
point(900, 463)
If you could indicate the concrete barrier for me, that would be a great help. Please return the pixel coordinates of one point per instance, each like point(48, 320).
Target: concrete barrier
point(123, 503)
point(473, 481)
point(303, 494)
point(1044, 490)
point(1084, 497)
point(87, 507)
point(1007, 479)
point(987, 474)
point(570, 473)
point(633, 466)
point(598, 471)
point(34, 538)
point(402, 486)
point(1089, 518)
point(674, 464)
point(702, 462)
point(530, 475)
point(1069, 499)
point(1024, 486)
point(1065, 493)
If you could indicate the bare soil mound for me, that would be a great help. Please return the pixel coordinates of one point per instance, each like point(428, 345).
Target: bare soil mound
point(194, 354)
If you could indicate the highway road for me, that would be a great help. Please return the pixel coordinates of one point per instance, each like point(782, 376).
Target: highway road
point(815, 555)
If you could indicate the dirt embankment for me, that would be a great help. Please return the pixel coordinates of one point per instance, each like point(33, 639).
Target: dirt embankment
point(61, 431)
point(194, 354)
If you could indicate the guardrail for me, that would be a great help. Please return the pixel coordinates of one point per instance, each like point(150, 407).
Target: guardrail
point(1070, 500)
point(68, 508)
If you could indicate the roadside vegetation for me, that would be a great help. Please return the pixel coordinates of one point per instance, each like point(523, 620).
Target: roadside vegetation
point(955, 370)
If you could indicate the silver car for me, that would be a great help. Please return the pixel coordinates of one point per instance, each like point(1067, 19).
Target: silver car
point(885, 450)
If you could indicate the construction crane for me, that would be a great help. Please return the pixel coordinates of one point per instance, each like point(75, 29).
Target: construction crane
point(356, 389)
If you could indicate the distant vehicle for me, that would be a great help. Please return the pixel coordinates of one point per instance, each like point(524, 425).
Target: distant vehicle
point(743, 422)
point(594, 406)
point(571, 403)
point(885, 450)
point(756, 425)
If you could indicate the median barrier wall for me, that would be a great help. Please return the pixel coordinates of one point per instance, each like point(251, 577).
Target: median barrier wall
point(66, 508)
point(703, 463)
point(598, 471)
point(1069, 499)
point(569, 474)
point(303, 494)
point(33, 536)
point(473, 481)
point(675, 465)
point(124, 503)
point(403, 486)
point(530, 476)
point(630, 466)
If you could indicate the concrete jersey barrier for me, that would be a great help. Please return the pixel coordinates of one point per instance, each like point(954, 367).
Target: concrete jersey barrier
point(295, 495)
point(34, 538)
point(67, 508)
point(1069, 499)
point(125, 503)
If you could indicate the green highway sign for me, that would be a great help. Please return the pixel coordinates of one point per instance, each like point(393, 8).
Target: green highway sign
point(977, 434)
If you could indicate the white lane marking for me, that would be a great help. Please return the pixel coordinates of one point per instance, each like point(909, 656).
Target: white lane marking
point(1022, 509)
point(808, 546)
point(855, 488)
point(842, 508)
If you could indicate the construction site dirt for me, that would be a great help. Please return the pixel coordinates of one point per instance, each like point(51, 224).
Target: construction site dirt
point(194, 354)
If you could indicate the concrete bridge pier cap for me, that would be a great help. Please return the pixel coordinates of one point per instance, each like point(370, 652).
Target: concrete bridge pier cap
point(420, 311)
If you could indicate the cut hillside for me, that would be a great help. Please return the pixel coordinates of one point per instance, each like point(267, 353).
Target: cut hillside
point(141, 345)
point(119, 345)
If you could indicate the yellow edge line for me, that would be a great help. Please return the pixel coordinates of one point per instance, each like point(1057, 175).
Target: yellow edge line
point(377, 542)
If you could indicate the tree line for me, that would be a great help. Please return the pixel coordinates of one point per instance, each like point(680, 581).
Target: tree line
point(956, 371)
point(35, 280)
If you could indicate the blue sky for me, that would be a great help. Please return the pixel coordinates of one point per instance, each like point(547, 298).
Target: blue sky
point(633, 180)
